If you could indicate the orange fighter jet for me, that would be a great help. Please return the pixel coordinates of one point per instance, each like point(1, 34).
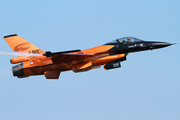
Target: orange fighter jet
point(52, 64)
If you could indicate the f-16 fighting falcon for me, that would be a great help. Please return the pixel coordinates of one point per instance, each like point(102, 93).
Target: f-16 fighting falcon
point(51, 64)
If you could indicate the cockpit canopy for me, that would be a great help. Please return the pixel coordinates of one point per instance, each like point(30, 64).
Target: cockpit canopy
point(126, 40)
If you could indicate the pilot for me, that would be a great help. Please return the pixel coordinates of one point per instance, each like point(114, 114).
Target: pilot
point(129, 40)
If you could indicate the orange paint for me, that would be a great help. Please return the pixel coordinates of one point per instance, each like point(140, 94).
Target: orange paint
point(19, 44)
point(107, 59)
point(98, 49)
point(52, 65)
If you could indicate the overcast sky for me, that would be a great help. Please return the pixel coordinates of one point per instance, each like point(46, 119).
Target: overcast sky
point(146, 87)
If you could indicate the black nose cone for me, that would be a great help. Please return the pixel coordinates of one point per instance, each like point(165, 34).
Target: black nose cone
point(156, 45)
point(161, 44)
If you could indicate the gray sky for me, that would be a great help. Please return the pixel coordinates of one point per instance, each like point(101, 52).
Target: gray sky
point(146, 87)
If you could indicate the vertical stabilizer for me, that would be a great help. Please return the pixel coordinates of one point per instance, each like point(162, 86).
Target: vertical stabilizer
point(18, 44)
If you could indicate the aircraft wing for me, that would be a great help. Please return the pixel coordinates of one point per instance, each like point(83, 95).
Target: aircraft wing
point(68, 57)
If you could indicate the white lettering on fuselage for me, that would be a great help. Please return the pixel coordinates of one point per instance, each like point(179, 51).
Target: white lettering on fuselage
point(132, 46)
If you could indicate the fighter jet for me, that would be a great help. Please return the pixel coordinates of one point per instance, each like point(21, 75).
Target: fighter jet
point(51, 64)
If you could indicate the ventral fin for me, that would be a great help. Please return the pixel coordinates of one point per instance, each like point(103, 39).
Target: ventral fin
point(52, 74)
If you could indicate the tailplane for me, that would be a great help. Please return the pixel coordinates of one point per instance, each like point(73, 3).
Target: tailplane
point(18, 44)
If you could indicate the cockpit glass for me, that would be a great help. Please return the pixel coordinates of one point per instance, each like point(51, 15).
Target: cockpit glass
point(114, 41)
point(126, 40)
point(137, 40)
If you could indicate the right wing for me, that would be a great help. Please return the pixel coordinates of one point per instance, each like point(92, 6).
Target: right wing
point(68, 57)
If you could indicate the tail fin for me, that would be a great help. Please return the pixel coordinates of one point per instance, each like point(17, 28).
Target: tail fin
point(18, 44)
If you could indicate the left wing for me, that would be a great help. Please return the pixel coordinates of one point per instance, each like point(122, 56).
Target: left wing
point(64, 56)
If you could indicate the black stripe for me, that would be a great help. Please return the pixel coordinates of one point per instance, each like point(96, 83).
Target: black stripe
point(10, 35)
point(48, 53)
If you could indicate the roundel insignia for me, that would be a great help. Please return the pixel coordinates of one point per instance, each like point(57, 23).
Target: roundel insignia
point(32, 62)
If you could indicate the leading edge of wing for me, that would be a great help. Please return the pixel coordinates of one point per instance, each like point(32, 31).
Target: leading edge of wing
point(49, 54)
